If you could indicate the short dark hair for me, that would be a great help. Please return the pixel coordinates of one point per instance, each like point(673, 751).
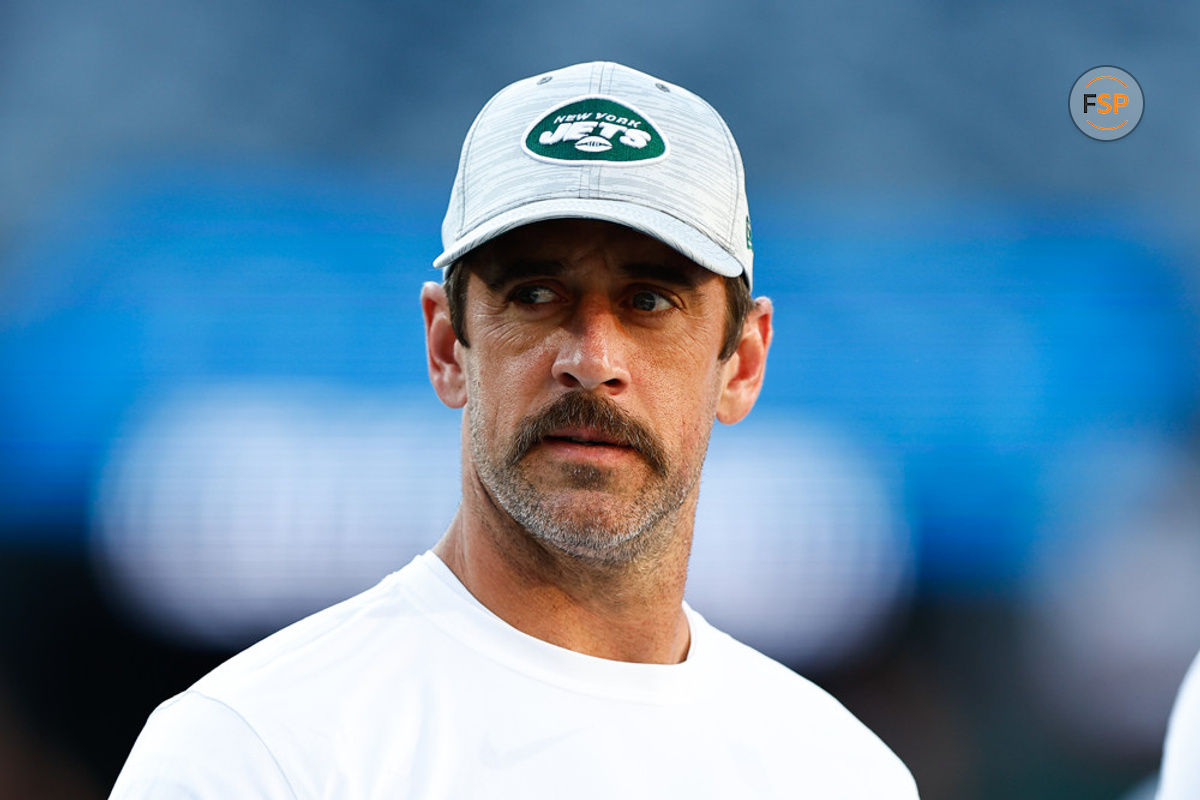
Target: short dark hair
point(738, 303)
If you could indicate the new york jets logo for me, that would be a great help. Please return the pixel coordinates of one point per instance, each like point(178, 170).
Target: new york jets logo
point(594, 129)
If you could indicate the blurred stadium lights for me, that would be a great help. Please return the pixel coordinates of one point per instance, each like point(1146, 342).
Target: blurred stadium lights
point(190, 276)
point(966, 346)
point(993, 319)
point(1113, 591)
point(975, 342)
point(230, 511)
point(801, 547)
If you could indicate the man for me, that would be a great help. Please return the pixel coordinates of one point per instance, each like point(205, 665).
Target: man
point(1180, 776)
point(594, 320)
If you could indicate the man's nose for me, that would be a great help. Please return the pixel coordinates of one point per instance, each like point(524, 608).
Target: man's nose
point(593, 350)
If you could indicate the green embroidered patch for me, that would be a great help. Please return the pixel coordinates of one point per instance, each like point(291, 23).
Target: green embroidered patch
point(594, 129)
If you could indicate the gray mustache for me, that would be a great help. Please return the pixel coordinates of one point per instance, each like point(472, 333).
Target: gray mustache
point(581, 409)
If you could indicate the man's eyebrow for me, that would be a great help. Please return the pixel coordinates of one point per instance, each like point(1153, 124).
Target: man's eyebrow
point(496, 276)
point(664, 273)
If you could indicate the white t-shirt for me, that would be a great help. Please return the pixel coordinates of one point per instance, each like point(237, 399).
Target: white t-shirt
point(1180, 778)
point(413, 689)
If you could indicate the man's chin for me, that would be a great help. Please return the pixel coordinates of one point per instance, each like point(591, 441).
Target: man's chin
point(583, 522)
point(595, 511)
point(584, 540)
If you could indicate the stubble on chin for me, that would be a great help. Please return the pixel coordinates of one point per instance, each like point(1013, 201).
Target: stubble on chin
point(585, 516)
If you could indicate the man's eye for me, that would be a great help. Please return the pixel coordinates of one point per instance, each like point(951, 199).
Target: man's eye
point(533, 295)
point(646, 300)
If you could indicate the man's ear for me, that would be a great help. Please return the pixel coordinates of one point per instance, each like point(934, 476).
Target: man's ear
point(742, 374)
point(441, 347)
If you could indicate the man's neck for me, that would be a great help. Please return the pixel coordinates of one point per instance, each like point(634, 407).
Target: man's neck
point(627, 612)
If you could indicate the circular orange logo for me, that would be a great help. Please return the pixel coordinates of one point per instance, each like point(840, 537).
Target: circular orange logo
point(1106, 103)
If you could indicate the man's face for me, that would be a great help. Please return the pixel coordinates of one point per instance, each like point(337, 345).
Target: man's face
point(592, 382)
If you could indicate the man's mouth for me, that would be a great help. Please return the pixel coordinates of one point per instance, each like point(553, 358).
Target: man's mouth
point(586, 437)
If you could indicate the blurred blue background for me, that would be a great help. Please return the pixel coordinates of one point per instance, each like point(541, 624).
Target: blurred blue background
point(968, 501)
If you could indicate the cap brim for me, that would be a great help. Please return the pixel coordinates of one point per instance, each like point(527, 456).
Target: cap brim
point(670, 230)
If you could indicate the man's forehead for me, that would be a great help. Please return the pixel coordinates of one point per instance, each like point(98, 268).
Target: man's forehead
point(553, 247)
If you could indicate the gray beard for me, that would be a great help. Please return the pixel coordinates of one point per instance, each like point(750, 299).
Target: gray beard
point(604, 539)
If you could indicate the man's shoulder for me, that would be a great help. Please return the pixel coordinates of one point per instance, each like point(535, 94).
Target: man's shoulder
point(1180, 768)
point(285, 706)
point(196, 746)
point(789, 706)
point(759, 675)
point(327, 648)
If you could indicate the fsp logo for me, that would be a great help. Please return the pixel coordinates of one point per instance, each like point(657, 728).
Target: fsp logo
point(1106, 103)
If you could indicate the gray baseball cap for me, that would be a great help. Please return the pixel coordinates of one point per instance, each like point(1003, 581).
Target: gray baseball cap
point(603, 141)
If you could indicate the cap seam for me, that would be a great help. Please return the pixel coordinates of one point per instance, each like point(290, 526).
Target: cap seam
point(597, 78)
point(591, 174)
point(588, 175)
